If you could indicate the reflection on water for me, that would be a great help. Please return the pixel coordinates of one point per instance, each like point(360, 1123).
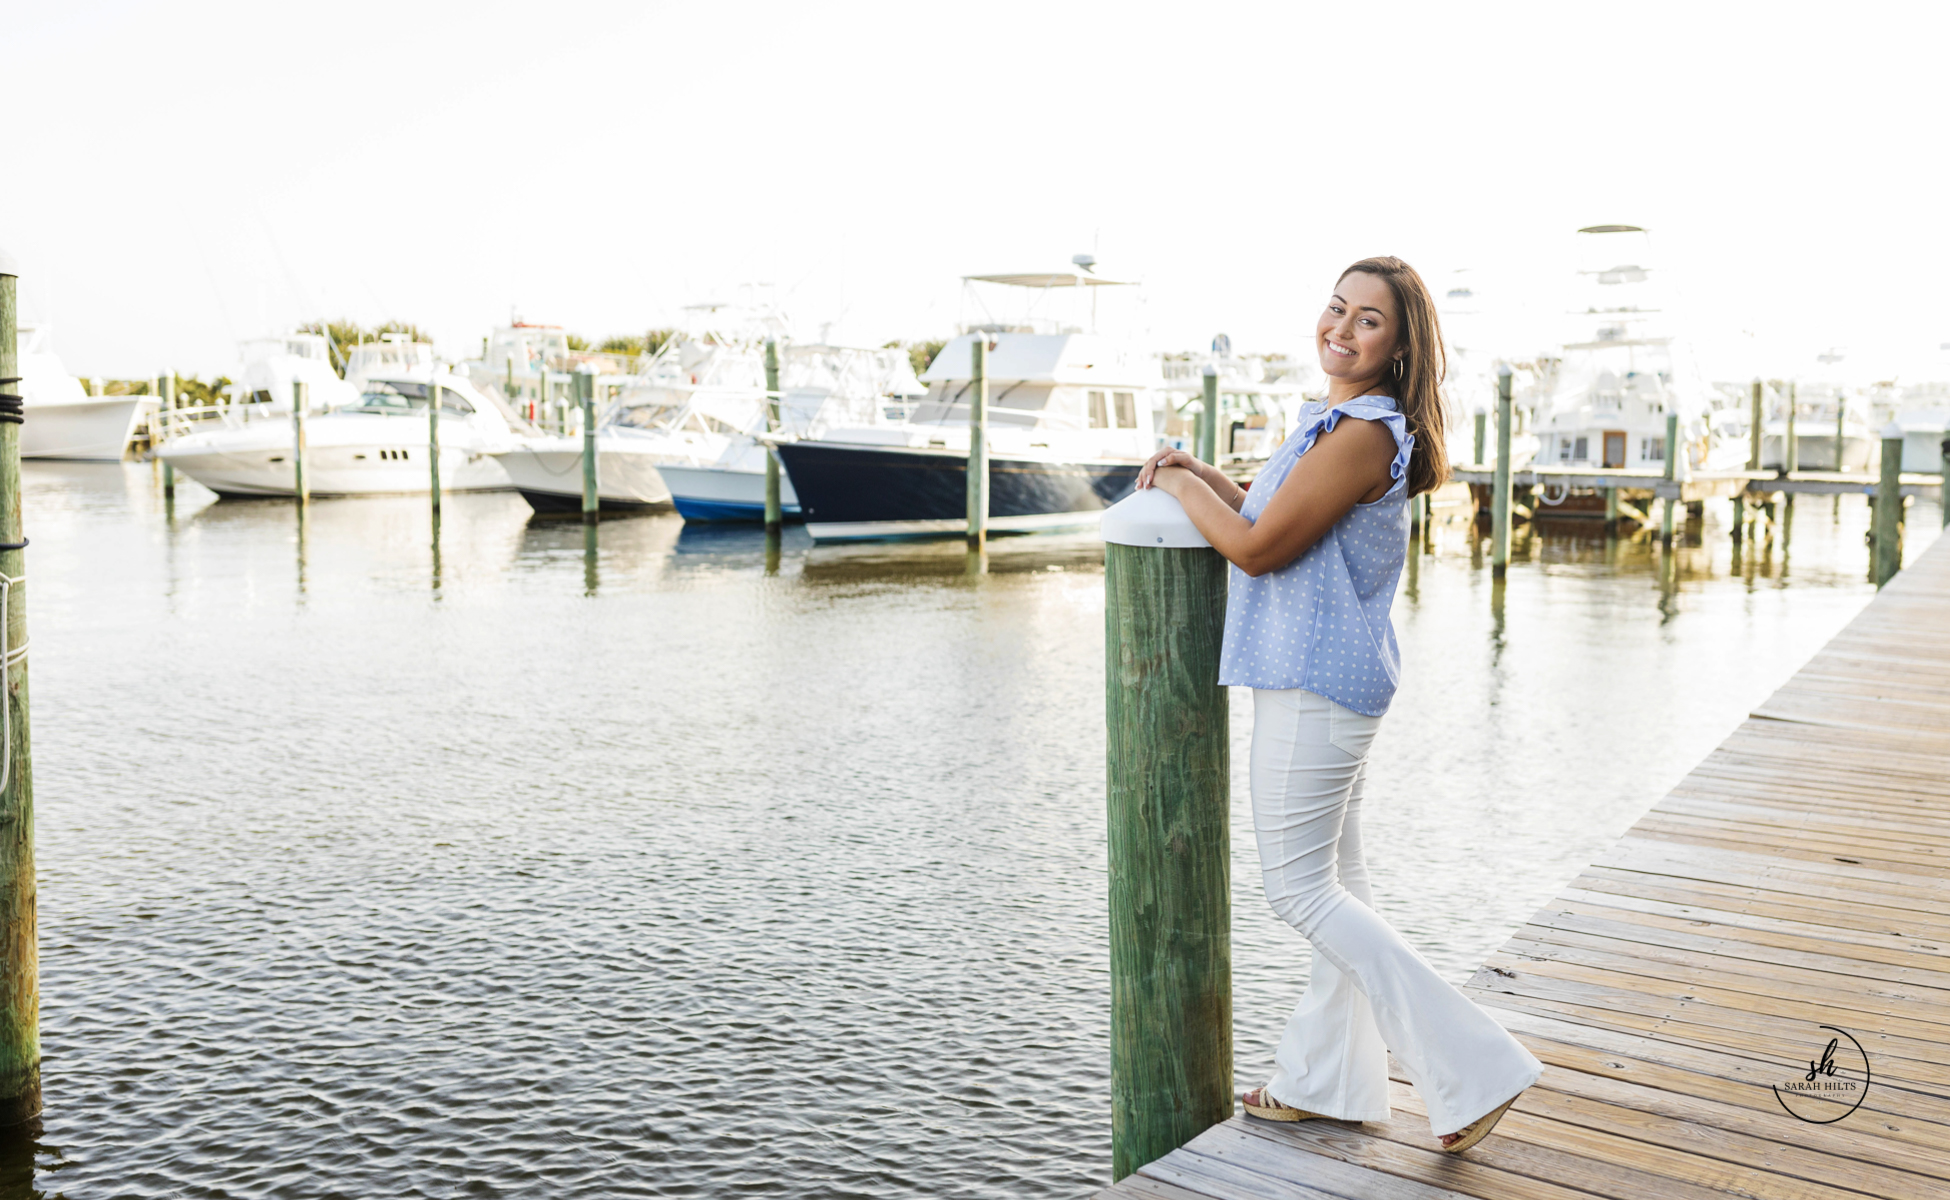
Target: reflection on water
point(506, 856)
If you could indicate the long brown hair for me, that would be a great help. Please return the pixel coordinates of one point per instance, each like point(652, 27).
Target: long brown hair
point(1424, 363)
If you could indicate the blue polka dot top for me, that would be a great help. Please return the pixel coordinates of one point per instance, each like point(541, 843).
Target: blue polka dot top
point(1320, 623)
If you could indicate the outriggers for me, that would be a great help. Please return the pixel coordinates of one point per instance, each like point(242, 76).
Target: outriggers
point(1072, 415)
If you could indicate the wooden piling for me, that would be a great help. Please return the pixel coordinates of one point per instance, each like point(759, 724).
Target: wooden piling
point(1739, 519)
point(300, 488)
point(1887, 522)
point(774, 514)
point(165, 402)
point(1482, 418)
point(1611, 510)
point(1943, 480)
point(20, 1004)
point(585, 385)
point(1790, 452)
point(1672, 460)
point(978, 443)
point(1208, 430)
point(433, 436)
point(1841, 414)
point(1500, 489)
point(1753, 431)
point(1168, 793)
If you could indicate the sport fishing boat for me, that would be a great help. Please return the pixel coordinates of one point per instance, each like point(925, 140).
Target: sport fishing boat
point(63, 420)
point(820, 387)
point(365, 435)
point(1072, 415)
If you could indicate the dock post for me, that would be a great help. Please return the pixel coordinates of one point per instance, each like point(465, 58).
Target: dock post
point(1500, 490)
point(1672, 456)
point(978, 443)
point(1841, 413)
point(165, 401)
point(1481, 419)
point(1739, 516)
point(1791, 455)
point(1168, 786)
point(20, 969)
point(774, 515)
point(1889, 506)
point(1943, 480)
point(1208, 429)
point(1753, 431)
point(585, 384)
point(433, 436)
point(300, 489)
point(1611, 510)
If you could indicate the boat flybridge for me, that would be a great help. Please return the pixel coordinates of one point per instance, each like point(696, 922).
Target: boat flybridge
point(1605, 399)
point(681, 407)
point(366, 434)
point(63, 420)
point(1072, 415)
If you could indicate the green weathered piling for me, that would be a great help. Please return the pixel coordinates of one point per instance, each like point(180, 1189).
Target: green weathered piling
point(1611, 510)
point(1753, 431)
point(774, 512)
point(1482, 418)
point(1168, 794)
point(1790, 452)
point(165, 402)
point(1739, 517)
point(1208, 430)
point(978, 442)
point(1672, 474)
point(20, 992)
point(1500, 490)
point(433, 437)
point(1943, 480)
point(1841, 416)
point(585, 385)
point(300, 488)
point(1889, 506)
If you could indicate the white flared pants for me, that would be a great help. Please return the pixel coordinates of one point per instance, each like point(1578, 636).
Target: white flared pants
point(1370, 991)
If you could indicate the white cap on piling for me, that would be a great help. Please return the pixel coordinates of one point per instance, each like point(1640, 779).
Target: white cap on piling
point(1892, 430)
point(1151, 517)
point(7, 264)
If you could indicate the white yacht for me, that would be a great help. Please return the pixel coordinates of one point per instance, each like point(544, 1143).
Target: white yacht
point(1607, 396)
point(63, 420)
point(1072, 416)
point(365, 435)
point(820, 387)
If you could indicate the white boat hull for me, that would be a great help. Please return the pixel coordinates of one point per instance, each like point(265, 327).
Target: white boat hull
point(346, 455)
point(725, 493)
point(548, 474)
point(97, 429)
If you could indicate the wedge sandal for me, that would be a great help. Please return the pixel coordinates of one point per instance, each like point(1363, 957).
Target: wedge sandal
point(1480, 1128)
point(1267, 1107)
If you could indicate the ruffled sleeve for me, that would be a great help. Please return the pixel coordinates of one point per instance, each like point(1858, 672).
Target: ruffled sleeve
point(1313, 424)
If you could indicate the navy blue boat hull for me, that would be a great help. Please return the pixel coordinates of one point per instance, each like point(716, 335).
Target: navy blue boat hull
point(848, 491)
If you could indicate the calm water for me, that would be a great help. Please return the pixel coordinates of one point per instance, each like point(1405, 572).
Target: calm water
point(651, 871)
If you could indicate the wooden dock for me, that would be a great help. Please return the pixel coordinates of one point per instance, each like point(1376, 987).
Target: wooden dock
point(1702, 485)
point(1800, 876)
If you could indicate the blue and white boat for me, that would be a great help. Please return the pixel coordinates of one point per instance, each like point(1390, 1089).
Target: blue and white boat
point(1072, 416)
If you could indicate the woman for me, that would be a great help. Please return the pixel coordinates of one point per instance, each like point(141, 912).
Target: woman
point(1317, 545)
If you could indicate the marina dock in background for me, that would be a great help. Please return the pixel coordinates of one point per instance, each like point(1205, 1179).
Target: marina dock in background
point(1790, 890)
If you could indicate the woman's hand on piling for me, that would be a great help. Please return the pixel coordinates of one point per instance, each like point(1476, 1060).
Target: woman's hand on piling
point(1165, 458)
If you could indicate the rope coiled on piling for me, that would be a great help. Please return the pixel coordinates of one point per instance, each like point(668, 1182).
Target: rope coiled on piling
point(13, 409)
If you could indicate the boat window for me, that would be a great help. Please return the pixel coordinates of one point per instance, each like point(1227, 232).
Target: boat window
point(401, 396)
point(1652, 449)
point(1126, 409)
point(1583, 450)
point(1099, 417)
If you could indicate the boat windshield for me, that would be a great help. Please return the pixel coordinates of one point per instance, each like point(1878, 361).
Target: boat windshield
point(404, 396)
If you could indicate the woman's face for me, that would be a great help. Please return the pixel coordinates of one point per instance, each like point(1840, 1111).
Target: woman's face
point(1358, 333)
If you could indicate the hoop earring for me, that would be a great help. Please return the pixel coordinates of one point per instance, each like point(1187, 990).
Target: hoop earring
point(1398, 368)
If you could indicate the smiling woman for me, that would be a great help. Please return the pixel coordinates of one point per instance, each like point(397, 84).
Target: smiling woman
point(1317, 546)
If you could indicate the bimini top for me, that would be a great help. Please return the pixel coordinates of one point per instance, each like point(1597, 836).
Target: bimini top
point(1613, 229)
point(1049, 279)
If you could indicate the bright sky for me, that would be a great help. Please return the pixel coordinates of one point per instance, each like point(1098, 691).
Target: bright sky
point(183, 175)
